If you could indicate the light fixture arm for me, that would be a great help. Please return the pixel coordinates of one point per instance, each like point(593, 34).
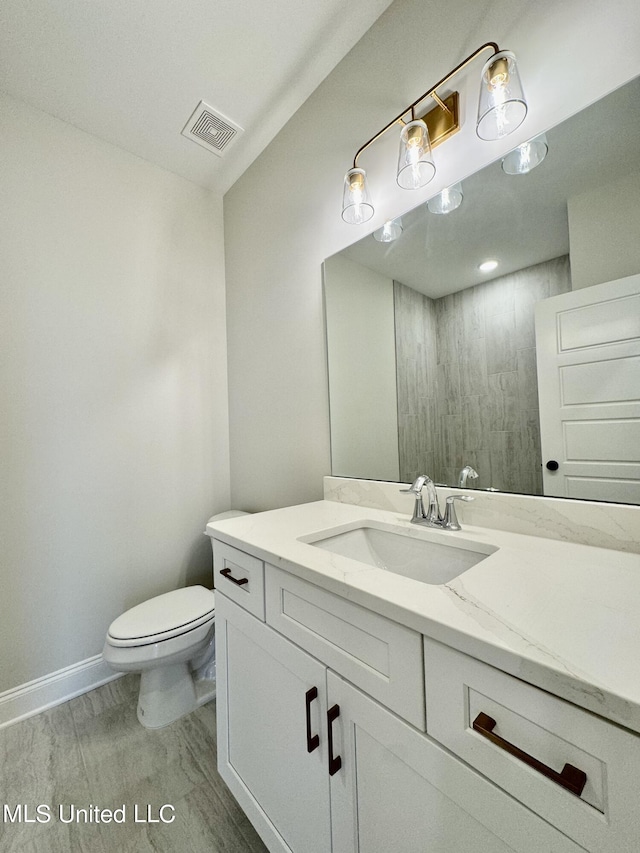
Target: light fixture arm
point(438, 101)
point(429, 93)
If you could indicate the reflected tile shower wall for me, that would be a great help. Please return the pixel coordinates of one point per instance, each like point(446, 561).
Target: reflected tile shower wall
point(467, 383)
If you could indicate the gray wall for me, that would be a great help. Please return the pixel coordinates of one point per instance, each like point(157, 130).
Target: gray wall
point(467, 384)
point(362, 370)
point(605, 247)
point(417, 374)
point(113, 436)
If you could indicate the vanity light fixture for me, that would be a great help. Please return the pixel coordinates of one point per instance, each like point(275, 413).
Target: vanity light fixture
point(526, 157)
point(488, 265)
point(389, 232)
point(446, 201)
point(502, 108)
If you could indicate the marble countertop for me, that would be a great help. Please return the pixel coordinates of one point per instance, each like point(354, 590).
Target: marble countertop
point(562, 616)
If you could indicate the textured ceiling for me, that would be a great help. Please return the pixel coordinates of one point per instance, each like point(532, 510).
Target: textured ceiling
point(132, 71)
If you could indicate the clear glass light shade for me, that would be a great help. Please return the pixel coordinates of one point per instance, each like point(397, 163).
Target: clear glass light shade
point(415, 161)
point(502, 107)
point(389, 232)
point(526, 157)
point(356, 206)
point(447, 200)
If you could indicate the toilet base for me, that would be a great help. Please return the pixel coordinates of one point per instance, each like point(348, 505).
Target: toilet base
point(169, 692)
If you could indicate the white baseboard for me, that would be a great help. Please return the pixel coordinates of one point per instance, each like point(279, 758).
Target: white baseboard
point(53, 689)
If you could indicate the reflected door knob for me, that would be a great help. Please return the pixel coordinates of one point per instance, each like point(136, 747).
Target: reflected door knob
point(552, 465)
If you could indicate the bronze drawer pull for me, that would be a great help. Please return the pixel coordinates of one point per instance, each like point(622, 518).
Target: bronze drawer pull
point(239, 581)
point(570, 778)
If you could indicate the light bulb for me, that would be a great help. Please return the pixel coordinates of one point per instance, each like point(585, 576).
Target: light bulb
point(498, 73)
point(488, 265)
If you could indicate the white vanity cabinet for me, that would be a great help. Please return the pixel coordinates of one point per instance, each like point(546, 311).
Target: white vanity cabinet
point(267, 690)
point(317, 764)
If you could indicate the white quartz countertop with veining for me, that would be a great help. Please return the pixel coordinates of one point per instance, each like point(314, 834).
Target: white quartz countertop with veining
point(562, 616)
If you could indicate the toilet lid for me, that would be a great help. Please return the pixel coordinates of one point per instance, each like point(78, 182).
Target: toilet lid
point(165, 616)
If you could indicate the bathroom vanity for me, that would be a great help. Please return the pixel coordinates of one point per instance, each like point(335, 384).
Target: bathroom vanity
point(360, 708)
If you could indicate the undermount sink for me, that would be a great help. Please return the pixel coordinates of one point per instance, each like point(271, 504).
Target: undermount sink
point(411, 554)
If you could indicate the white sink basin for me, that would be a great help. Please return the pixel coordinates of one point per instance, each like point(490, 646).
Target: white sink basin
point(422, 555)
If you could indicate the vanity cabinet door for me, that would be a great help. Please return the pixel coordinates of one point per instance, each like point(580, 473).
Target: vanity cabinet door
point(397, 790)
point(272, 745)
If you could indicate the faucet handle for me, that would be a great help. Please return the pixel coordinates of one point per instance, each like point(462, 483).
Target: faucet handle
point(450, 520)
point(416, 487)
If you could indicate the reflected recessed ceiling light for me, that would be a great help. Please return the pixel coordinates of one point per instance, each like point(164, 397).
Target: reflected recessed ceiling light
point(487, 266)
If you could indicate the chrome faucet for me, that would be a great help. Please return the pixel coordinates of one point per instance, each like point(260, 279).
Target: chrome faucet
point(467, 472)
point(431, 517)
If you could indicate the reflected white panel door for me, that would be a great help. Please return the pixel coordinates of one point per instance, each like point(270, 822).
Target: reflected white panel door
point(588, 353)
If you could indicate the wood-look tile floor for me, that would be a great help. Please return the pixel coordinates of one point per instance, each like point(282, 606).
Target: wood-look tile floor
point(93, 752)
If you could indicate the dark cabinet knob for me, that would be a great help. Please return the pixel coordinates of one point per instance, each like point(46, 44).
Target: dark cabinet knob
point(552, 465)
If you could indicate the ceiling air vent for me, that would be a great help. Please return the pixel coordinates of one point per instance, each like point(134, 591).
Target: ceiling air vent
point(211, 129)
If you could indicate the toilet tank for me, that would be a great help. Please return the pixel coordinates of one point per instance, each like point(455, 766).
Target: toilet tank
point(231, 513)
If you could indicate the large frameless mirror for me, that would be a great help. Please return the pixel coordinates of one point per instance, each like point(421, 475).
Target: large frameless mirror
point(524, 377)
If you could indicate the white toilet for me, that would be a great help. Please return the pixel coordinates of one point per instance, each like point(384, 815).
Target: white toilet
point(170, 641)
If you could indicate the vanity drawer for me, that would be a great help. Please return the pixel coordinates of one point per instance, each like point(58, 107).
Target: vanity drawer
point(378, 655)
point(522, 732)
point(240, 576)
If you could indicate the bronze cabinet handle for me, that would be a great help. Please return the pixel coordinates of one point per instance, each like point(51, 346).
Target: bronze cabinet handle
point(570, 778)
point(313, 741)
point(227, 574)
point(335, 762)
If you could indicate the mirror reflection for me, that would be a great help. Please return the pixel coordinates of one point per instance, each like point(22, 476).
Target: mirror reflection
point(524, 377)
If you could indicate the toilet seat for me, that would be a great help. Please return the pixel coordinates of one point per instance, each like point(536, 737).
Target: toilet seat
point(162, 618)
